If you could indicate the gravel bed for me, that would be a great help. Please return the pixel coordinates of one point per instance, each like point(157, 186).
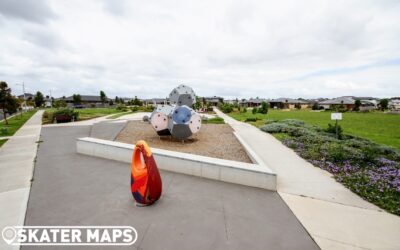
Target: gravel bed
point(213, 140)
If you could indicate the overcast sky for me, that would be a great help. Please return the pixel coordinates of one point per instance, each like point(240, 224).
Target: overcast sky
point(228, 48)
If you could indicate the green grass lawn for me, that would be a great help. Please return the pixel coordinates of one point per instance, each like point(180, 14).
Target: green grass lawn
point(85, 114)
point(14, 123)
point(376, 126)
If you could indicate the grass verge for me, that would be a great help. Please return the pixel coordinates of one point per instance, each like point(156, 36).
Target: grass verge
point(15, 122)
point(84, 114)
point(376, 126)
point(2, 142)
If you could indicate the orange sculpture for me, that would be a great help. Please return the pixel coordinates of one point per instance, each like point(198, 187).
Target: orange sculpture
point(146, 185)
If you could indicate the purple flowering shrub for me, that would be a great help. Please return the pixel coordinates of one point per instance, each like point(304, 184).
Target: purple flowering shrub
point(368, 169)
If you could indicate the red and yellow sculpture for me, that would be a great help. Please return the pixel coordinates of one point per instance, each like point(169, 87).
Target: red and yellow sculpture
point(146, 185)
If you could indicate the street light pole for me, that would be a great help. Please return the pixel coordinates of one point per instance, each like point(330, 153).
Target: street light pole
point(23, 92)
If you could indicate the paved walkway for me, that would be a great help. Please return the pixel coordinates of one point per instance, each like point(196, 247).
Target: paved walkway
point(193, 212)
point(17, 157)
point(334, 216)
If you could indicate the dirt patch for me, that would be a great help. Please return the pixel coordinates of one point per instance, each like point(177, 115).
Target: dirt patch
point(213, 140)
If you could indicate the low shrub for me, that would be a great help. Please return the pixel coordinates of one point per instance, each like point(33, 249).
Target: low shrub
point(226, 108)
point(214, 120)
point(65, 115)
point(332, 129)
point(122, 108)
point(294, 122)
point(134, 109)
point(275, 128)
point(368, 169)
point(252, 119)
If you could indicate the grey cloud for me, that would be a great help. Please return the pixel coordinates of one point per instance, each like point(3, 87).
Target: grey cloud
point(37, 11)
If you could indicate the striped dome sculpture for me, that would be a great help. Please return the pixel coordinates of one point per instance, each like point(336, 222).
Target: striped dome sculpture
point(177, 119)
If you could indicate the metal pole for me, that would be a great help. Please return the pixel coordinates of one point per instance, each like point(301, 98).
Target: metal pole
point(51, 100)
point(337, 130)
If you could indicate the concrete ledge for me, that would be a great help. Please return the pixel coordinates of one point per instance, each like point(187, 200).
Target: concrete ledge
point(253, 175)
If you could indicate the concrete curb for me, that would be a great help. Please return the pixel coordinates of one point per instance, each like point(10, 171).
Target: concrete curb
point(253, 175)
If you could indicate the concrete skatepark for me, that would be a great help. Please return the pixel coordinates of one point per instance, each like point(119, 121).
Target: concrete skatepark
point(308, 211)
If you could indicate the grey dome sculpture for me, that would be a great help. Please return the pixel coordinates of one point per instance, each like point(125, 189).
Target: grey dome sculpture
point(178, 119)
point(182, 95)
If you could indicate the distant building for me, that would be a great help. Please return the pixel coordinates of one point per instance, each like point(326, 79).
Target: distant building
point(155, 101)
point(394, 104)
point(289, 103)
point(347, 102)
point(48, 102)
point(87, 101)
point(213, 101)
point(231, 101)
point(28, 96)
point(253, 102)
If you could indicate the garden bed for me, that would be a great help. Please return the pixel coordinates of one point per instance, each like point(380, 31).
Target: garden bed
point(213, 140)
point(368, 169)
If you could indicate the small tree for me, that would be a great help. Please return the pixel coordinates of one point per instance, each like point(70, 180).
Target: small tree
point(60, 104)
point(39, 99)
point(6, 99)
point(383, 104)
point(137, 102)
point(103, 97)
point(357, 105)
point(76, 99)
point(264, 108)
point(315, 106)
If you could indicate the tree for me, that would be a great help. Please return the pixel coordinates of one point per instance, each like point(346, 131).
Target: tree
point(357, 105)
point(264, 108)
point(59, 104)
point(39, 99)
point(383, 104)
point(5, 99)
point(137, 102)
point(103, 97)
point(76, 99)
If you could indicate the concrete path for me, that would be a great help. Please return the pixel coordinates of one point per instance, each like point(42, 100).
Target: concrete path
point(17, 158)
point(193, 213)
point(334, 216)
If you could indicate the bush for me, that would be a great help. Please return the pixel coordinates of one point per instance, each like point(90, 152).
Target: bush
point(226, 108)
point(65, 114)
point(122, 107)
point(332, 129)
point(254, 110)
point(264, 108)
point(294, 122)
point(252, 119)
point(244, 110)
point(134, 109)
point(275, 128)
point(215, 120)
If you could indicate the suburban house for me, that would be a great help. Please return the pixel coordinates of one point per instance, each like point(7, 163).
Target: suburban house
point(347, 102)
point(368, 105)
point(394, 104)
point(213, 101)
point(28, 96)
point(87, 101)
point(288, 103)
point(231, 101)
point(48, 102)
point(155, 101)
point(253, 102)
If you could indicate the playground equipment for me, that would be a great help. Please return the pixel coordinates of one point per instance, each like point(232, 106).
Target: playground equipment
point(177, 119)
point(146, 185)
